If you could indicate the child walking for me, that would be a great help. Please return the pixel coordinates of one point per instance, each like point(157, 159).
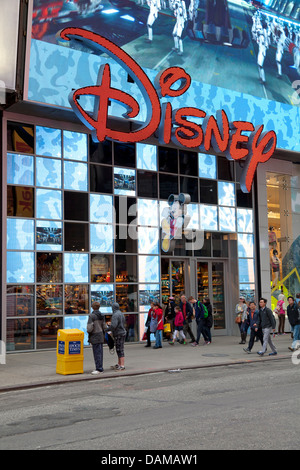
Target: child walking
point(178, 323)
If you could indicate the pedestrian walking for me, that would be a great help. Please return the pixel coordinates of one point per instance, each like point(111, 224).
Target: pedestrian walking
point(251, 322)
point(266, 321)
point(188, 313)
point(95, 328)
point(178, 324)
point(280, 310)
point(209, 320)
point(241, 316)
point(158, 316)
point(117, 326)
point(170, 313)
point(200, 320)
point(293, 313)
point(147, 325)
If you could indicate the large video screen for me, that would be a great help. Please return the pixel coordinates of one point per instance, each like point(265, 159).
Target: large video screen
point(234, 44)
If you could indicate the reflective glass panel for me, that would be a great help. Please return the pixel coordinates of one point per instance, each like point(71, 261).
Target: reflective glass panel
point(75, 146)
point(20, 267)
point(101, 208)
point(148, 268)
point(48, 235)
point(193, 213)
point(146, 156)
point(76, 267)
point(208, 217)
point(227, 221)
point(76, 299)
point(20, 301)
point(20, 234)
point(245, 245)
point(148, 212)
point(148, 240)
point(126, 268)
point(48, 204)
point(48, 172)
point(245, 220)
point(75, 176)
point(102, 268)
point(207, 166)
point(124, 181)
point(248, 291)
point(226, 193)
point(101, 238)
point(20, 201)
point(20, 169)
point(131, 326)
point(103, 293)
point(49, 300)
point(48, 141)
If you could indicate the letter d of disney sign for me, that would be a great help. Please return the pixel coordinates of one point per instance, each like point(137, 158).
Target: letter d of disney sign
point(172, 124)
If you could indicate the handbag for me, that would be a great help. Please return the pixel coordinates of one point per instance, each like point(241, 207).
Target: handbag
point(167, 328)
point(144, 336)
point(238, 318)
point(153, 325)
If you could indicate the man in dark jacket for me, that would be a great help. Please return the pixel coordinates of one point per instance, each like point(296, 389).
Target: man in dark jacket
point(251, 322)
point(118, 330)
point(266, 321)
point(188, 313)
point(293, 313)
point(95, 328)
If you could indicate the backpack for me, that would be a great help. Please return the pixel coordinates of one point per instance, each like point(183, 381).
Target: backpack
point(205, 311)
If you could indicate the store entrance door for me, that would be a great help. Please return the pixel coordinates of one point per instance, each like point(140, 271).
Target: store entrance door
point(173, 279)
point(210, 283)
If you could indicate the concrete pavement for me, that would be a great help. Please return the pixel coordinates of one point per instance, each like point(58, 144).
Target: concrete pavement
point(36, 369)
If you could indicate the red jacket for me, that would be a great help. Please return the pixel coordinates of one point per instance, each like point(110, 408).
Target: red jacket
point(179, 319)
point(158, 313)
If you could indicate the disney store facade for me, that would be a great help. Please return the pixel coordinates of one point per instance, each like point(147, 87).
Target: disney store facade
point(86, 220)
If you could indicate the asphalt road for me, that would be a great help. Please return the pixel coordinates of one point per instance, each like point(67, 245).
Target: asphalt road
point(251, 406)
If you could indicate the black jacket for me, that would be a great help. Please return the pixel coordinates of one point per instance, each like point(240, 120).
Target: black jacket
point(96, 327)
point(189, 311)
point(293, 314)
point(266, 319)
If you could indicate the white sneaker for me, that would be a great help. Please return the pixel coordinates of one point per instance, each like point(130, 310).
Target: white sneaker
point(97, 372)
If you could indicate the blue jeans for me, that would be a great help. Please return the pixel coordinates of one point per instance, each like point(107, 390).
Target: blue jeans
point(158, 338)
point(98, 356)
point(296, 338)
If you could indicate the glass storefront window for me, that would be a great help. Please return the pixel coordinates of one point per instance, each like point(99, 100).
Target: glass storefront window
point(48, 141)
point(20, 137)
point(148, 268)
point(147, 293)
point(148, 240)
point(101, 209)
point(126, 296)
point(102, 268)
point(124, 182)
point(208, 217)
point(48, 235)
point(126, 268)
point(20, 334)
point(48, 204)
point(75, 146)
point(76, 206)
point(46, 334)
point(20, 267)
point(49, 267)
point(20, 201)
point(76, 236)
point(75, 176)
point(101, 238)
point(20, 301)
point(146, 157)
point(148, 212)
point(227, 219)
point(101, 179)
point(48, 172)
point(207, 166)
point(49, 299)
point(76, 299)
point(131, 326)
point(103, 293)
point(226, 194)
point(76, 267)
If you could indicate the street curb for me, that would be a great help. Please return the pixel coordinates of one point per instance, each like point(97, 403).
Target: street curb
point(110, 375)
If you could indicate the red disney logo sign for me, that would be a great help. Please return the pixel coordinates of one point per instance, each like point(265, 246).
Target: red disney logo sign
point(172, 124)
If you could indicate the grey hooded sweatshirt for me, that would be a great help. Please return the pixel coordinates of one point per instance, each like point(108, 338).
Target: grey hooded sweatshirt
point(117, 325)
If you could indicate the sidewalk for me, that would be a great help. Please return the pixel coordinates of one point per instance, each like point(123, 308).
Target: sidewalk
point(35, 369)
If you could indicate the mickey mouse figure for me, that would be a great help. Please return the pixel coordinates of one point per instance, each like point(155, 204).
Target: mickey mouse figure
point(175, 220)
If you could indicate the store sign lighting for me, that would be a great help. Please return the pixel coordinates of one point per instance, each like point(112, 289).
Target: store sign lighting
point(255, 146)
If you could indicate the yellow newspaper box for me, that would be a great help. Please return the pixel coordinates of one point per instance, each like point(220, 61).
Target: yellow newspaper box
point(69, 352)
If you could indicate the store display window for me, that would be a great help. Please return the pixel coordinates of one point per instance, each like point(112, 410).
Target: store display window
point(48, 235)
point(20, 234)
point(48, 204)
point(20, 169)
point(48, 141)
point(20, 334)
point(20, 267)
point(46, 334)
point(76, 299)
point(20, 301)
point(102, 268)
point(75, 176)
point(148, 293)
point(75, 146)
point(48, 172)
point(126, 296)
point(49, 299)
point(126, 268)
